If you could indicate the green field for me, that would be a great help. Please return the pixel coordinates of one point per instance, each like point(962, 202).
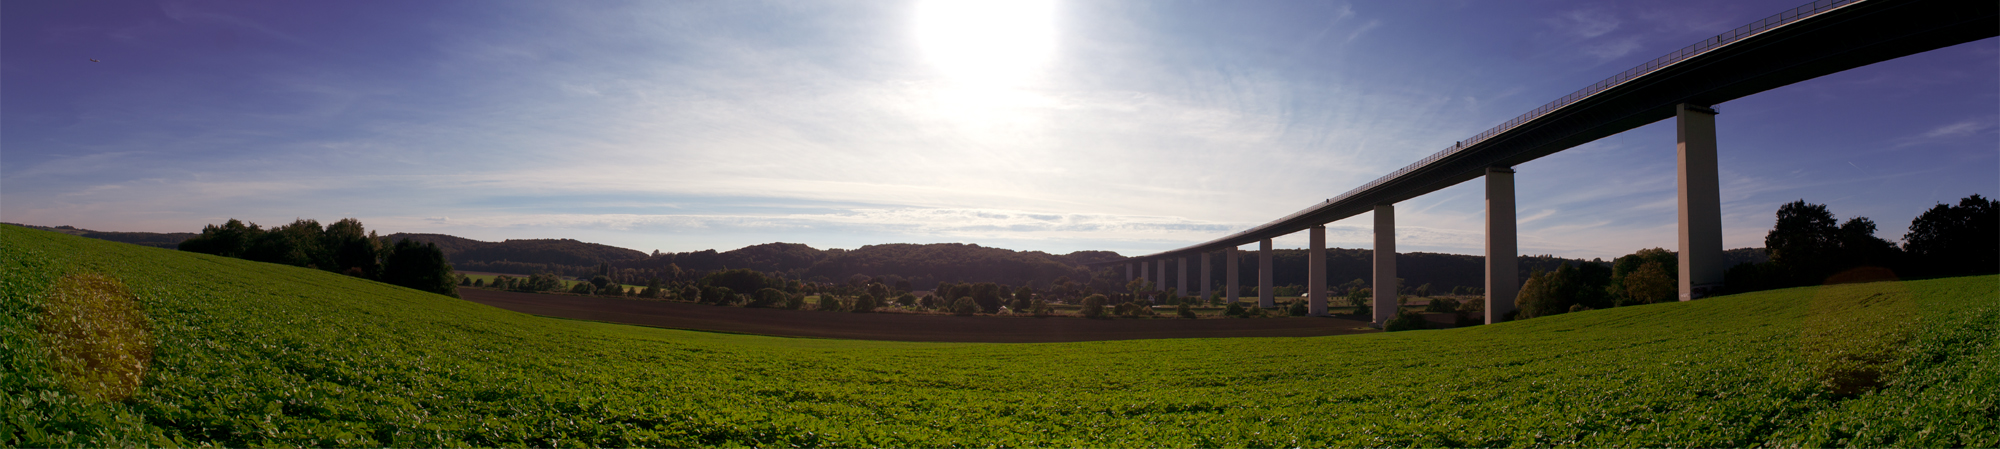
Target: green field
point(254, 354)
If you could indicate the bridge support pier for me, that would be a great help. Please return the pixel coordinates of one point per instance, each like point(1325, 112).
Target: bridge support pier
point(1502, 253)
point(1180, 282)
point(1701, 259)
point(1264, 289)
point(1159, 286)
point(1231, 287)
point(1206, 275)
point(1316, 274)
point(1385, 264)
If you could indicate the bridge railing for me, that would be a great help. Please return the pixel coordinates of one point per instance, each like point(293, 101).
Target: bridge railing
point(1751, 29)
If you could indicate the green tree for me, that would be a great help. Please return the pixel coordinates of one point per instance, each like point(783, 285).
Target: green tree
point(652, 288)
point(766, 297)
point(987, 294)
point(1362, 299)
point(1859, 247)
point(1093, 306)
point(1024, 298)
point(1624, 266)
point(231, 239)
point(1804, 243)
point(419, 266)
point(1952, 240)
point(1545, 293)
point(1650, 284)
point(1140, 288)
point(865, 303)
point(352, 248)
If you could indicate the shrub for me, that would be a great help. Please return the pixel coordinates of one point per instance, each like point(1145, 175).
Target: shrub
point(964, 306)
point(1185, 310)
point(581, 288)
point(1093, 306)
point(830, 303)
point(1040, 308)
point(1298, 308)
point(1468, 314)
point(1442, 305)
point(717, 295)
point(1406, 320)
point(1236, 309)
point(795, 301)
point(1578, 307)
point(767, 297)
point(906, 299)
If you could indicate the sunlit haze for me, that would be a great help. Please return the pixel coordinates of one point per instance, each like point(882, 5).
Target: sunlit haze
point(1035, 125)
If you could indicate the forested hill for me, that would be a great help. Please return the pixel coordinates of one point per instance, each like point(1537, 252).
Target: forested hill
point(168, 240)
point(570, 252)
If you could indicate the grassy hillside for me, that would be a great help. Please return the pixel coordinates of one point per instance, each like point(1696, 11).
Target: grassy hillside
point(250, 354)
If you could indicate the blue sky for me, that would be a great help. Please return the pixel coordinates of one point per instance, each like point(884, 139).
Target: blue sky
point(1125, 126)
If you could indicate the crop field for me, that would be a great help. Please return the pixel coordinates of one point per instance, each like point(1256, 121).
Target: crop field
point(237, 353)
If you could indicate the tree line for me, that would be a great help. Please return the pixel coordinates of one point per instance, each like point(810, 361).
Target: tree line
point(1807, 246)
point(344, 247)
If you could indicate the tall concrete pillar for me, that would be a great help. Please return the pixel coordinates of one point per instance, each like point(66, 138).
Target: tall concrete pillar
point(1230, 286)
point(1180, 282)
point(1316, 271)
point(1502, 252)
point(1160, 282)
point(1264, 289)
point(1385, 263)
point(1700, 202)
point(1206, 276)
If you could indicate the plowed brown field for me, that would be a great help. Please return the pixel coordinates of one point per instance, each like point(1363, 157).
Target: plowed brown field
point(900, 327)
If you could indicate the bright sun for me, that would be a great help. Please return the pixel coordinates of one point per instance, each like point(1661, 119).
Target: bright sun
point(987, 42)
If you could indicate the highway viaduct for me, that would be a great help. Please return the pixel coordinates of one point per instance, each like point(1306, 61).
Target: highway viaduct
point(1810, 41)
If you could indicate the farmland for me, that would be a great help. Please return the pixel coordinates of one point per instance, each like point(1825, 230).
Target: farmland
point(252, 354)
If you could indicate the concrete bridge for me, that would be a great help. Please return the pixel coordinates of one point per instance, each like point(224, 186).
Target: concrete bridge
point(1813, 40)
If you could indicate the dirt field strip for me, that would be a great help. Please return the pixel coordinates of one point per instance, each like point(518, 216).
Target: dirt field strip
point(900, 327)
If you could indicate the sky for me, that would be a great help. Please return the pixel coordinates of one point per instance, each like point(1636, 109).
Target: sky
point(1057, 126)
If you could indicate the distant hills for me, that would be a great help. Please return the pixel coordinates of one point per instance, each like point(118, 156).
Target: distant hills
point(168, 240)
point(921, 265)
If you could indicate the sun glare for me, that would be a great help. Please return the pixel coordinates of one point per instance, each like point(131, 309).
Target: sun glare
point(987, 43)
